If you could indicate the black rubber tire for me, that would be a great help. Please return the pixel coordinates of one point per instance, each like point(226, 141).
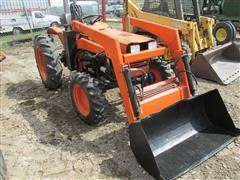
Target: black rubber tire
point(17, 31)
point(165, 70)
point(52, 61)
point(229, 30)
point(3, 168)
point(95, 98)
point(54, 24)
point(233, 29)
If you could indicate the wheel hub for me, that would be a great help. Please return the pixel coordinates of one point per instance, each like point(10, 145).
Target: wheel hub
point(81, 100)
point(41, 64)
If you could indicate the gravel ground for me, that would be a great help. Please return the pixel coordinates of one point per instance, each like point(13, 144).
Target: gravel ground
point(42, 138)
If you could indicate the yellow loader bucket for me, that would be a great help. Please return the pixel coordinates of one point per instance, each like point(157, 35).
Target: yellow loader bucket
point(221, 64)
point(180, 137)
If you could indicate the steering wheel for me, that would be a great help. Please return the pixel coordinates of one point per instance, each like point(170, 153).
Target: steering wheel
point(91, 19)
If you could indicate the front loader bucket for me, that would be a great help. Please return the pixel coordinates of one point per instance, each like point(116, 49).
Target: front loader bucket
point(180, 137)
point(221, 64)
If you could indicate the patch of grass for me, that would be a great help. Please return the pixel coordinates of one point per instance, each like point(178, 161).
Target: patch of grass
point(6, 39)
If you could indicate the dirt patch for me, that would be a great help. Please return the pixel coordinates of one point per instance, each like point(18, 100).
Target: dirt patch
point(41, 136)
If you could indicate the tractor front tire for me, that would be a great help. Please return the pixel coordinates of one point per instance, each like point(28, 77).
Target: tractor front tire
point(48, 62)
point(160, 71)
point(87, 98)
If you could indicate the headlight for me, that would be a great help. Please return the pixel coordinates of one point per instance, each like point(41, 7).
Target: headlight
point(152, 45)
point(135, 48)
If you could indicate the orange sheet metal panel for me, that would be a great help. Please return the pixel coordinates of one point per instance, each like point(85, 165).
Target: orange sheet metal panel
point(162, 100)
point(123, 37)
point(56, 31)
point(146, 54)
point(126, 37)
point(168, 35)
point(89, 45)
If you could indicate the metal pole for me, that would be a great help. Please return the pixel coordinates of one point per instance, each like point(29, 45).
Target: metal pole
point(49, 3)
point(126, 1)
point(196, 11)
point(179, 9)
point(65, 6)
point(104, 10)
point(75, 2)
point(28, 19)
point(126, 26)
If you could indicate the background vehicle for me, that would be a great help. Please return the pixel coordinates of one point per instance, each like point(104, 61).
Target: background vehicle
point(17, 24)
point(110, 10)
point(56, 10)
point(222, 10)
point(119, 12)
point(170, 130)
point(114, 2)
point(116, 10)
point(209, 61)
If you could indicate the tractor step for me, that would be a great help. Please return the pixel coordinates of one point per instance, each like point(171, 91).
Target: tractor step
point(155, 90)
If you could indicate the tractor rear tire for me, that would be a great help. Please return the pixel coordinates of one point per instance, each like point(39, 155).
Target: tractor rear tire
point(87, 98)
point(48, 62)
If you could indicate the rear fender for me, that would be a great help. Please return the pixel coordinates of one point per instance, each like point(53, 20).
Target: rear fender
point(56, 31)
point(19, 26)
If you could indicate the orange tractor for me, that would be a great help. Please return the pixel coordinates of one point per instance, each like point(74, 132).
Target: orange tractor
point(170, 130)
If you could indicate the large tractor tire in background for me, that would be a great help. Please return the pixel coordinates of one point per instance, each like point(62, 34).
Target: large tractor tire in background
point(48, 62)
point(87, 98)
point(224, 32)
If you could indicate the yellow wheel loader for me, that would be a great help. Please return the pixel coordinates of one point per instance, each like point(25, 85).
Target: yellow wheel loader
point(214, 54)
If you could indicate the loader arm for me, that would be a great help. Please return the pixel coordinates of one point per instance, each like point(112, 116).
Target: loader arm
point(197, 38)
point(209, 60)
